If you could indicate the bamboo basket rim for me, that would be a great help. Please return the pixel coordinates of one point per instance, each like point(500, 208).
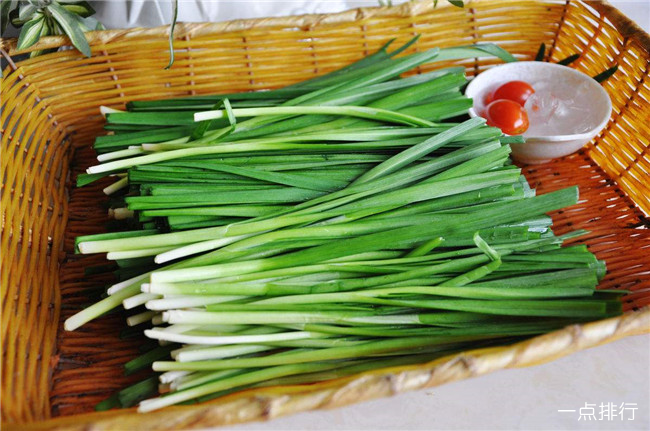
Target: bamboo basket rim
point(270, 403)
point(626, 27)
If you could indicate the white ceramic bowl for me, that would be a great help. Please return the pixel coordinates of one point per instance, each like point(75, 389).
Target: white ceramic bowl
point(540, 149)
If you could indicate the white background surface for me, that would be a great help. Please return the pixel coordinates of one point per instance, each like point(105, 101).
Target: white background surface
point(522, 399)
point(146, 13)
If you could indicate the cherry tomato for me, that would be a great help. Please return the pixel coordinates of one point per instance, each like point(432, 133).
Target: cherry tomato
point(517, 91)
point(508, 116)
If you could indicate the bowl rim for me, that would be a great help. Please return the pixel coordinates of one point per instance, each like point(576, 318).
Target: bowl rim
point(474, 86)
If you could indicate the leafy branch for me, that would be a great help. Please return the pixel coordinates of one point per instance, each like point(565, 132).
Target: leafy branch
point(40, 18)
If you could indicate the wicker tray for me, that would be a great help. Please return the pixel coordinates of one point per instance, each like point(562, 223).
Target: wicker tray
point(51, 378)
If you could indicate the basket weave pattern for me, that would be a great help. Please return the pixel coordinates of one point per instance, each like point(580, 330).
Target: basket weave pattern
point(50, 118)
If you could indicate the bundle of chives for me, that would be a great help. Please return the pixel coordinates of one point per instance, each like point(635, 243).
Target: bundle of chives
point(343, 227)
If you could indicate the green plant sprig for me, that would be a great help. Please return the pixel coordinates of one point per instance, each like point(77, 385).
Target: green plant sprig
point(40, 18)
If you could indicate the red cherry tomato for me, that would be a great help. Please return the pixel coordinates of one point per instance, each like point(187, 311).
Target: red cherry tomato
point(517, 91)
point(508, 116)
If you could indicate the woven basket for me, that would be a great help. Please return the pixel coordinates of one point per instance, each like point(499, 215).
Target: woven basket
point(51, 379)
